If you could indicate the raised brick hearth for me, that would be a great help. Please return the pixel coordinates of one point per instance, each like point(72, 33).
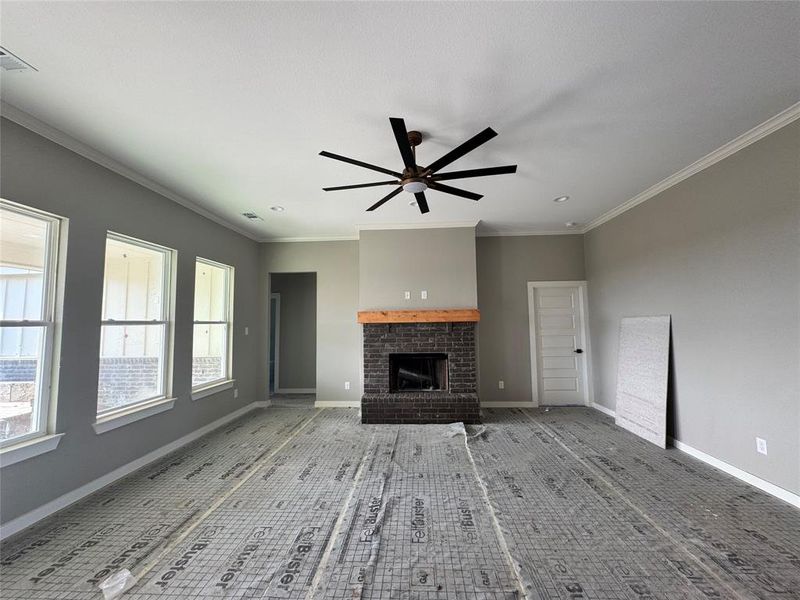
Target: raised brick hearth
point(457, 403)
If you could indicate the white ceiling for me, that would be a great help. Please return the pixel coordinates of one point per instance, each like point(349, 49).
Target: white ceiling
point(229, 103)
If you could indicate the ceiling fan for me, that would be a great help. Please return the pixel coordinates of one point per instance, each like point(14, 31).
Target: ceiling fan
point(414, 178)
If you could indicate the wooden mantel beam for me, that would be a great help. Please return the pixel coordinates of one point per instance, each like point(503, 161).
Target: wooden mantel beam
point(436, 315)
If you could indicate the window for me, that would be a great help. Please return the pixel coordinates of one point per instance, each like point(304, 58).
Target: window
point(28, 264)
point(136, 330)
point(213, 316)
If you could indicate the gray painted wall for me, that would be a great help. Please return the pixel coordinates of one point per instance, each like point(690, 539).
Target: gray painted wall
point(505, 266)
point(441, 261)
point(721, 253)
point(338, 332)
point(297, 367)
point(39, 173)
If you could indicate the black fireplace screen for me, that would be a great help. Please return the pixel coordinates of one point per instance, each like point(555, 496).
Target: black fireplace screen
point(417, 372)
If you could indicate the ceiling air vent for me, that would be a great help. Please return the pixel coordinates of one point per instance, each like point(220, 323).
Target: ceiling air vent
point(11, 62)
point(252, 216)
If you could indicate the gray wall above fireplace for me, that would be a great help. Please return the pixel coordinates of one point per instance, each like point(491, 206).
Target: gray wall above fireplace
point(439, 261)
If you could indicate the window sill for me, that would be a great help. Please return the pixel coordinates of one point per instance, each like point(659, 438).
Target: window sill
point(28, 449)
point(212, 389)
point(131, 415)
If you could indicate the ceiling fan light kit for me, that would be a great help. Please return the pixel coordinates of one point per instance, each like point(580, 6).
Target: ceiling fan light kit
point(415, 186)
point(416, 179)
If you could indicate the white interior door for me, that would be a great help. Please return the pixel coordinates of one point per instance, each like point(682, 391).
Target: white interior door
point(558, 344)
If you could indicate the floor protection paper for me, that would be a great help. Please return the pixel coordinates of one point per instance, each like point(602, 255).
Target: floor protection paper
point(591, 511)
point(282, 504)
point(298, 503)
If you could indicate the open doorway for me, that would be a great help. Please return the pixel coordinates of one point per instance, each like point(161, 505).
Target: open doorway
point(293, 336)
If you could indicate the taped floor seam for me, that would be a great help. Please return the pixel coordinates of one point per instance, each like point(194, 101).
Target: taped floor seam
point(221, 500)
point(495, 522)
point(676, 543)
point(328, 551)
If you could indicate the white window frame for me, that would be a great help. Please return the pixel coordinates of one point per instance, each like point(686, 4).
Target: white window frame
point(43, 403)
point(167, 320)
point(228, 375)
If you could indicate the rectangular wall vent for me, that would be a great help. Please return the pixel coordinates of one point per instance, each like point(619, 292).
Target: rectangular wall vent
point(10, 62)
point(252, 216)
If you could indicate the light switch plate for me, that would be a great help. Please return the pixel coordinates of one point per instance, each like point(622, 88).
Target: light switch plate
point(347, 385)
point(235, 392)
point(247, 331)
point(407, 295)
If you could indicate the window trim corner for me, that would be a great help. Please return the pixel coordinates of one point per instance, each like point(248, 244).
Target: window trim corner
point(29, 448)
point(212, 388)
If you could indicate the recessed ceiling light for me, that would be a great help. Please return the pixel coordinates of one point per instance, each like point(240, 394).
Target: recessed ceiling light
point(561, 199)
point(277, 208)
point(570, 224)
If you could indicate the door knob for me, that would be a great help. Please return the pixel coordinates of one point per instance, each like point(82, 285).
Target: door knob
point(579, 351)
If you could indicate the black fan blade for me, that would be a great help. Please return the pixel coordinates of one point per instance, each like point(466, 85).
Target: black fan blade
point(360, 185)
point(440, 187)
point(459, 151)
point(401, 135)
point(385, 199)
point(422, 202)
point(358, 163)
point(476, 173)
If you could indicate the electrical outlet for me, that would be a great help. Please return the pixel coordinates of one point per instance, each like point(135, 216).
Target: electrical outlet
point(424, 294)
point(501, 385)
point(761, 445)
point(235, 392)
point(347, 385)
point(407, 295)
point(247, 331)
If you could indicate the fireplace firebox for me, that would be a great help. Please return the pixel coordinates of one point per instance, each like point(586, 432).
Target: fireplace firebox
point(417, 372)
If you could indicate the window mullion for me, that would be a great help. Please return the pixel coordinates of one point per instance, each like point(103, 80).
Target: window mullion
point(121, 323)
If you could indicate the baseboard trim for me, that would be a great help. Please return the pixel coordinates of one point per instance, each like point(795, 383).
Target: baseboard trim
point(508, 404)
point(296, 391)
point(605, 410)
point(37, 514)
point(763, 485)
point(337, 404)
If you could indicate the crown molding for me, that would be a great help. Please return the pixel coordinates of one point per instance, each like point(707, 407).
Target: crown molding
point(321, 238)
point(526, 233)
point(389, 226)
point(28, 121)
point(384, 227)
point(758, 132)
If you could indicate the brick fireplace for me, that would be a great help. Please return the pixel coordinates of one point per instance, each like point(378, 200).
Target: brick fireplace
point(419, 367)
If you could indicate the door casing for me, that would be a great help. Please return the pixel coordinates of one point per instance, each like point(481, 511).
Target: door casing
point(588, 389)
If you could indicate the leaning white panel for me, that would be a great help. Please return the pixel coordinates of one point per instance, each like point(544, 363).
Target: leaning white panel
point(642, 370)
